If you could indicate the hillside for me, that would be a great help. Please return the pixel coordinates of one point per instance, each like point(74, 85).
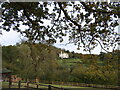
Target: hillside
point(42, 62)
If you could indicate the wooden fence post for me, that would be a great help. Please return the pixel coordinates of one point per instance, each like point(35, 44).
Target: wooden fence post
point(27, 84)
point(10, 82)
point(49, 87)
point(19, 84)
point(37, 86)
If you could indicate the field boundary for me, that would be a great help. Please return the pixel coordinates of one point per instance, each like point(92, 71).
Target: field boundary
point(81, 84)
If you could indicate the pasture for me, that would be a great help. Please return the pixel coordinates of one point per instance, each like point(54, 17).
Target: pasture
point(5, 85)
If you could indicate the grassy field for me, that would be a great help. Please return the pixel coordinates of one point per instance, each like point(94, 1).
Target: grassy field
point(15, 85)
point(69, 62)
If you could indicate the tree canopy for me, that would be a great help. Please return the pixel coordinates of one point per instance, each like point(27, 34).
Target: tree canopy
point(87, 24)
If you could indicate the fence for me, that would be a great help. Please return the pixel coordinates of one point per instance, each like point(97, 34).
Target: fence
point(80, 84)
point(19, 85)
point(48, 85)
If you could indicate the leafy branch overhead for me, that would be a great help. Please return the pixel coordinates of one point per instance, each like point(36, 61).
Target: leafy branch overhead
point(86, 23)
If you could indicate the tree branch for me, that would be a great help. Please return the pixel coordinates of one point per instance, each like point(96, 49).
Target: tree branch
point(101, 45)
point(92, 10)
point(26, 14)
point(66, 15)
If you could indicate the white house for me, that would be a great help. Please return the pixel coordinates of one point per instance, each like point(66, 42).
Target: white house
point(63, 55)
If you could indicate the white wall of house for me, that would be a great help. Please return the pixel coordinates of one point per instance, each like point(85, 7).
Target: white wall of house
point(63, 55)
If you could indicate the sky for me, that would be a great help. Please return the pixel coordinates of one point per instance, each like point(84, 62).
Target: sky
point(13, 37)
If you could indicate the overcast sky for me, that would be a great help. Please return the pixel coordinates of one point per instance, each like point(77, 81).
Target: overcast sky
point(12, 37)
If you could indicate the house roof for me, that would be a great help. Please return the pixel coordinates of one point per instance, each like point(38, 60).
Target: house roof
point(5, 70)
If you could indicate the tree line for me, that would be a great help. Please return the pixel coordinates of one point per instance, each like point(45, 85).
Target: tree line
point(41, 61)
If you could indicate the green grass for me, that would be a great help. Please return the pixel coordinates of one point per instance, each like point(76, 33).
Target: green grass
point(73, 61)
point(76, 87)
point(5, 84)
point(23, 85)
point(15, 85)
point(69, 62)
point(89, 88)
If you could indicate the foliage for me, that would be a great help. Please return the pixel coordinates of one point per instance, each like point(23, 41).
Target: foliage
point(93, 74)
point(10, 55)
point(86, 23)
point(40, 61)
point(33, 61)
